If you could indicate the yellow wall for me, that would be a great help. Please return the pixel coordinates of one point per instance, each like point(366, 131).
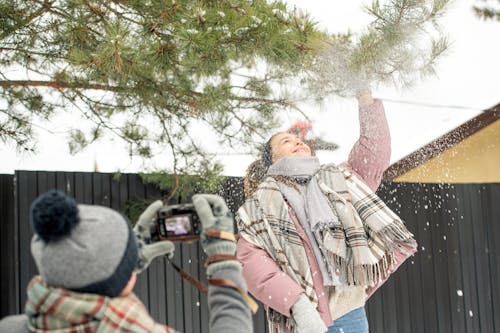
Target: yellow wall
point(473, 160)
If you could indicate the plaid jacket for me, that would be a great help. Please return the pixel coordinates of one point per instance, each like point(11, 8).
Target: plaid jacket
point(63, 311)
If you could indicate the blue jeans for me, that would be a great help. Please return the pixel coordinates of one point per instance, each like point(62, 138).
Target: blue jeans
point(352, 322)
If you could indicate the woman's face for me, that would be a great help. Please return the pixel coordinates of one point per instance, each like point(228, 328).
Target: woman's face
point(287, 144)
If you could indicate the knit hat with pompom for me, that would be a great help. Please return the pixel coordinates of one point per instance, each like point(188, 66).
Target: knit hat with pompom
point(83, 248)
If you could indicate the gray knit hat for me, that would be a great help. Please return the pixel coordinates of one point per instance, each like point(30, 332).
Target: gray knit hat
point(83, 248)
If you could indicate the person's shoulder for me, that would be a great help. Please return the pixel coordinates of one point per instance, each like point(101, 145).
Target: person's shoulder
point(264, 191)
point(269, 183)
point(14, 324)
point(333, 170)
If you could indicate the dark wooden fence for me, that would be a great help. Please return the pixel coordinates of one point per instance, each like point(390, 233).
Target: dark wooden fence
point(451, 285)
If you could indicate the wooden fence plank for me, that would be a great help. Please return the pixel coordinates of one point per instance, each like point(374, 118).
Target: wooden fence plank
point(156, 274)
point(9, 238)
point(115, 193)
point(187, 288)
point(439, 262)
point(468, 265)
point(390, 318)
point(136, 191)
point(61, 181)
point(202, 257)
point(483, 314)
point(453, 261)
point(27, 192)
point(403, 313)
point(491, 210)
point(427, 253)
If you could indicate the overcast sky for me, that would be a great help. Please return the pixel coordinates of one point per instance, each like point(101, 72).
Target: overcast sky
point(468, 82)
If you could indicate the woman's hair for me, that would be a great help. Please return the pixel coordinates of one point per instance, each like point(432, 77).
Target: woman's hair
point(255, 174)
point(266, 155)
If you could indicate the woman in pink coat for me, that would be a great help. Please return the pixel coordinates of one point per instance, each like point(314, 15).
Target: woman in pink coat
point(316, 241)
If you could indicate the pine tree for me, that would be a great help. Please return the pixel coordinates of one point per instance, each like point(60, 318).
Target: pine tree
point(151, 71)
point(144, 70)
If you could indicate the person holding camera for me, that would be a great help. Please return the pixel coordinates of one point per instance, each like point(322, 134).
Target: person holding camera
point(88, 257)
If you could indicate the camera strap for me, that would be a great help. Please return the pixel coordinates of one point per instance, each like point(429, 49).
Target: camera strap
point(216, 282)
point(210, 232)
point(219, 257)
point(191, 279)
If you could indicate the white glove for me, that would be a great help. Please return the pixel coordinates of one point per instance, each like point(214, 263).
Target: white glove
point(307, 318)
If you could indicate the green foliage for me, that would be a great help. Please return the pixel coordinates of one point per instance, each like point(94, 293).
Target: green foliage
point(177, 186)
point(134, 208)
point(401, 45)
point(146, 71)
point(487, 10)
point(77, 141)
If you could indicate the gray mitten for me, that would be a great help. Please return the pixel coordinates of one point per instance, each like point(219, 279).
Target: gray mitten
point(307, 318)
point(142, 231)
point(216, 217)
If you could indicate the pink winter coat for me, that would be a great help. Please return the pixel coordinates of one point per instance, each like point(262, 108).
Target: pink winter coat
point(368, 159)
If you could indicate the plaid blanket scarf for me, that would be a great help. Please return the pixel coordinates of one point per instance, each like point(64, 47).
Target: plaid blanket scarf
point(361, 251)
point(63, 311)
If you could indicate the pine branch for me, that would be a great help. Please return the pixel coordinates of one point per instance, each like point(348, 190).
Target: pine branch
point(60, 85)
point(390, 51)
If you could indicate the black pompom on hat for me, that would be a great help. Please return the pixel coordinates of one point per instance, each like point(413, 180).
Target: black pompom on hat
point(54, 215)
point(83, 248)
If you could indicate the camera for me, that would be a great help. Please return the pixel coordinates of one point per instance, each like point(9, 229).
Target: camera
point(178, 223)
